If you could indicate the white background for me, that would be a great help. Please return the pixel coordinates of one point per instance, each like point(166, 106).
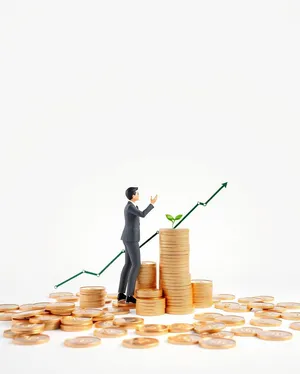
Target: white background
point(175, 97)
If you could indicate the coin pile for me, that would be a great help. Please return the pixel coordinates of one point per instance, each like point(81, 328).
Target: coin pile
point(202, 293)
point(51, 322)
point(72, 323)
point(174, 275)
point(92, 297)
point(149, 302)
point(147, 275)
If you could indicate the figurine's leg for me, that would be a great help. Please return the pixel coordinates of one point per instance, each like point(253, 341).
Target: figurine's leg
point(125, 272)
point(135, 257)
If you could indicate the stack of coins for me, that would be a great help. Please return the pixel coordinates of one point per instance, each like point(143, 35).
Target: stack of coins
point(149, 302)
point(147, 275)
point(60, 309)
point(72, 323)
point(51, 322)
point(175, 278)
point(202, 293)
point(92, 297)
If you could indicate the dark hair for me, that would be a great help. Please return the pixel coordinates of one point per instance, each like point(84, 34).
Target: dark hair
point(130, 192)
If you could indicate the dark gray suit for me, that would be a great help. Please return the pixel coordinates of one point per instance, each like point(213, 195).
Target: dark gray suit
point(131, 237)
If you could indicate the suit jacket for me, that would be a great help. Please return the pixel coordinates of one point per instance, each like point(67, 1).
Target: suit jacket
point(131, 231)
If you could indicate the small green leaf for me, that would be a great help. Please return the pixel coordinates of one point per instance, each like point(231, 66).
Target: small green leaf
point(170, 217)
point(178, 217)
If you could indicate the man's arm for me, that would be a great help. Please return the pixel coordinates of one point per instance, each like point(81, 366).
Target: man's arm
point(134, 210)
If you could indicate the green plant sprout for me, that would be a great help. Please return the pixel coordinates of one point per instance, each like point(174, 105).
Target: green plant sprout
point(171, 218)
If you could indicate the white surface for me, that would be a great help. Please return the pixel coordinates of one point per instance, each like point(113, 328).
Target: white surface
point(175, 97)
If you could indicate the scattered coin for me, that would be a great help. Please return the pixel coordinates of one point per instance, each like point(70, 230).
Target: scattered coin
point(224, 296)
point(274, 335)
point(293, 316)
point(289, 305)
point(217, 343)
point(207, 316)
point(8, 307)
point(104, 324)
point(246, 331)
point(184, 339)
point(267, 314)
point(31, 339)
point(55, 295)
point(265, 322)
point(231, 320)
point(295, 326)
point(82, 342)
point(222, 334)
point(181, 327)
point(140, 342)
point(110, 332)
point(151, 329)
point(209, 327)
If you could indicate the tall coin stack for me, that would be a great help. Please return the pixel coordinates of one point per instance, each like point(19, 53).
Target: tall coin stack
point(147, 276)
point(92, 297)
point(202, 293)
point(149, 302)
point(174, 274)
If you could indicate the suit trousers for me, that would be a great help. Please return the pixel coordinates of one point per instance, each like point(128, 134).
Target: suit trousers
point(131, 268)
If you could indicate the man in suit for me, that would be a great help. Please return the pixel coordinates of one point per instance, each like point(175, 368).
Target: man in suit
point(131, 238)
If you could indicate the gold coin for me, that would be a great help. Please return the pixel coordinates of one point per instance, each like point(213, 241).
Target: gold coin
point(231, 320)
point(9, 334)
point(32, 328)
point(54, 295)
point(8, 307)
point(265, 322)
point(265, 298)
point(76, 327)
point(140, 342)
point(5, 316)
point(110, 332)
point(128, 321)
point(123, 304)
point(207, 316)
point(112, 296)
point(224, 296)
point(45, 319)
point(293, 316)
point(104, 324)
point(27, 307)
point(31, 339)
point(246, 331)
point(222, 334)
point(60, 306)
point(261, 305)
point(104, 317)
point(70, 320)
point(82, 342)
point(116, 310)
point(184, 339)
point(274, 335)
point(209, 327)
point(92, 289)
point(289, 305)
point(217, 343)
point(108, 301)
point(67, 298)
point(181, 327)
point(151, 329)
point(267, 314)
point(144, 292)
point(88, 312)
point(26, 314)
point(295, 326)
point(221, 305)
point(247, 300)
point(236, 308)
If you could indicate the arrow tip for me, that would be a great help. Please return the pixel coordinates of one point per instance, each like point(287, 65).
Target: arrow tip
point(224, 184)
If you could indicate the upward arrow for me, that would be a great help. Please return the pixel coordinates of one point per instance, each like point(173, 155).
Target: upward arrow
point(223, 185)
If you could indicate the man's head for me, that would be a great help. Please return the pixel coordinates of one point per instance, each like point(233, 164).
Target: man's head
point(132, 193)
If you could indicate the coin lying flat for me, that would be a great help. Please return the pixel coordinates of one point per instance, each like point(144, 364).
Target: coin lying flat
point(112, 310)
point(217, 343)
point(8, 307)
point(221, 305)
point(110, 332)
point(224, 296)
point(9, 334)
point(181, 327)
point(27, 314)
point(289, 305)
point(231, 320)
point(88, 312)
point(293, 316)
point(55, 295)
point(31, 339)
point(247, 300)
point(82, 342)
point(261, 305)
point(32, 328)
point(222, 334)
point(74, 328)
point(265, 322)
point(209, 327)
point(128, 322)
point(295, 326)
point(104, 324)
point(151, 329)
point(140, 342)
point(71, 320)
point(6, 316)
point(267, 314)
point(236, 308)
point(184, 339)
point(265, 298)
point(207, 316)
point(274, 335)
point(246, 331)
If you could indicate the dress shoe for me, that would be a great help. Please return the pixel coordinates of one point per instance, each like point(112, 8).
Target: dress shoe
point(121, 296)
point(130, 299)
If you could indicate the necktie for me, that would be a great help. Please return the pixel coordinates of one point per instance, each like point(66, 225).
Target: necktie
point(137, 207)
